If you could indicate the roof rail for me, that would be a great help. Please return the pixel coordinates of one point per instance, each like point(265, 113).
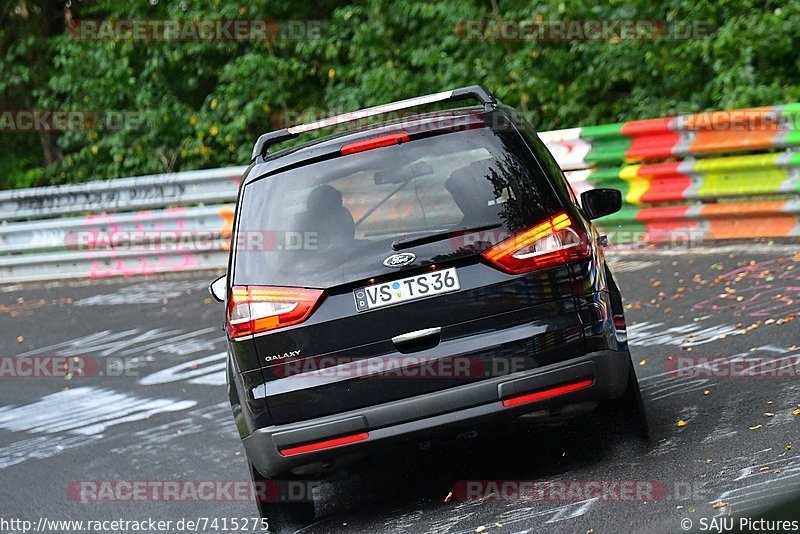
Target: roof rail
point(464, 93)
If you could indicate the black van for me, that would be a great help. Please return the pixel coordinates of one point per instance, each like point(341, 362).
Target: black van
point(412, 277)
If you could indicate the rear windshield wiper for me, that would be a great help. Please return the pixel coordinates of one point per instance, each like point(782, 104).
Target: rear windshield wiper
point(400, 244)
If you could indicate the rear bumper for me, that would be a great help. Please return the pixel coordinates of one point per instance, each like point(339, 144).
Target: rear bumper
point(436, 413)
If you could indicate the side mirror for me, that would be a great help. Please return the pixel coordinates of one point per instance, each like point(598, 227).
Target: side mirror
point(601, 202)
point(217, 288)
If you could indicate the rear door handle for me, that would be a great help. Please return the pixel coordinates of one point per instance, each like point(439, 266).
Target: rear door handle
point(416, 335)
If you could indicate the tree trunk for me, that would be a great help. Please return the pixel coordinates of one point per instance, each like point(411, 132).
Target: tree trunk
point(52, 152)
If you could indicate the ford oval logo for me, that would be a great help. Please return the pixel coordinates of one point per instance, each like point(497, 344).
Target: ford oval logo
point(399, 260)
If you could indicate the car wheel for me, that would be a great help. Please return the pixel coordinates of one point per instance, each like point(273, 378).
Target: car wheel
point(628, 413)
point(282, 516)
point(635, 403)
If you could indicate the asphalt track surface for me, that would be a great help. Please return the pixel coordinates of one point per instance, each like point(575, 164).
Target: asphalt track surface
point(720, 445)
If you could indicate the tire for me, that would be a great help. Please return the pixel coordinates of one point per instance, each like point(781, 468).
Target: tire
point(635, 403)
point(628, 412)
point(283, 517)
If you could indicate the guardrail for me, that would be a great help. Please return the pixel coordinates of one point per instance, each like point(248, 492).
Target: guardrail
point(115, 236)
point(105, 263)
point(704, 179)
point(699, 134)
point(118, 229)
point(739, 169)
point(716, 175)
point(124, 194)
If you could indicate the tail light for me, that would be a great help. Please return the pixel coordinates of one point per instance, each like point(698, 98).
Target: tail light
point(620, 328)
point(375, 142)
point(553, 242)
point(254, 309)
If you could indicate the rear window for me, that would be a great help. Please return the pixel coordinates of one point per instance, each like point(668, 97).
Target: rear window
point(334, 222)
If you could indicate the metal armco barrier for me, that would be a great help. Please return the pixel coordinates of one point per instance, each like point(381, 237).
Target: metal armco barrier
point(694, 223)
point(125, 194)
point(740, 169)
point(105, 263)
point(703, 179)
point(118, 229)
point(716, 132)
point(685, 179)
point(115, 236)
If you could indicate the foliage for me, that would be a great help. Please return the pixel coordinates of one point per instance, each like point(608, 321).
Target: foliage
point(202, 104)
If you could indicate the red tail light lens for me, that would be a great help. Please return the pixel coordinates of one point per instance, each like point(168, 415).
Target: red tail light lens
point(553, 242)
point(375, 142)
point(253, 309)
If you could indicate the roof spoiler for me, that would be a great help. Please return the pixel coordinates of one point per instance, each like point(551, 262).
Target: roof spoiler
point(464, 93)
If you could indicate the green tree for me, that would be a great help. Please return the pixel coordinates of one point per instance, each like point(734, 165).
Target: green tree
point(202, 104)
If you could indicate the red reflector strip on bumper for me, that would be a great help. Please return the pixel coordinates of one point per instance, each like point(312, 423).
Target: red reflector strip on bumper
point(547, 393)
point(326, 444)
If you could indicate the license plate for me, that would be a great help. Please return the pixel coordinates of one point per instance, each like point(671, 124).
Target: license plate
point(406, 289)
